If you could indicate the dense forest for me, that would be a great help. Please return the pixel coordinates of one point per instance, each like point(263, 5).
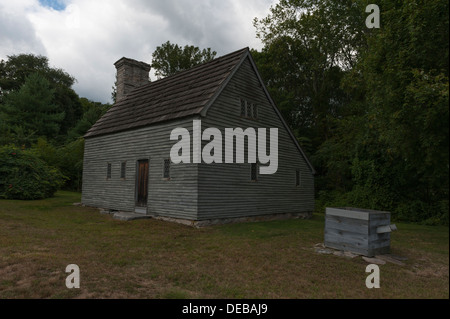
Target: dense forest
point(370, 106)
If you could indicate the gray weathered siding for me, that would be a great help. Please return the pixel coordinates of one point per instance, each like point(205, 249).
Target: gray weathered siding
point(175, 198)
point(226, 190)
point(355, 230)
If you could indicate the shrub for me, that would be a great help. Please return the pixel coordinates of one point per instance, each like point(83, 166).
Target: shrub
point(24, 176)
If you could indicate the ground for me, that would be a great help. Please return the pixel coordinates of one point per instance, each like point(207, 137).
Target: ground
point(157, 259)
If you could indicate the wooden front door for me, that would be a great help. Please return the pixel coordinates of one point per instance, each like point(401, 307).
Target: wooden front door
point(142, 183)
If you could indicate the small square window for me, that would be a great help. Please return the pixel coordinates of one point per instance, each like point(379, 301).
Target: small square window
point(123, 169)
point(297, 178)
point(254, 172)
point(108, 171)
point(249, 110)
point(166, 173)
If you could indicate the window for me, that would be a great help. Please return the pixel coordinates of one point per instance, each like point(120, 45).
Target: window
point(297, 177)
point(166, 172)
point(123, 169)
point(243, 107)
point(249, 110)
point(254, 172)
point(108, 171)
point(255, 111)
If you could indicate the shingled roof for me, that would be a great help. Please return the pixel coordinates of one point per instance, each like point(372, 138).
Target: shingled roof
point(183, 94)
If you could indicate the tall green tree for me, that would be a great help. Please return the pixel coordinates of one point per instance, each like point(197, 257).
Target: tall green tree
point(17, 68)
point(171, 58)
point(92, 111)
point(310, 48)
point(309, 45)
point(32, 108)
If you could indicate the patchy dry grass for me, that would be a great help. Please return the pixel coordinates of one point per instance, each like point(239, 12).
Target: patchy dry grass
point(156, 259)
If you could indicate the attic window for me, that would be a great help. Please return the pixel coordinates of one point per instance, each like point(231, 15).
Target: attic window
point(255, 111)
point(108, 171)
point(297, 177)
point(243, 107)
point(254, 172)
point(166, 172)
point(123, 168)
point(249, 110)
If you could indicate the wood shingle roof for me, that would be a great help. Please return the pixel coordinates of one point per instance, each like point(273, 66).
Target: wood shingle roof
point(183, 94)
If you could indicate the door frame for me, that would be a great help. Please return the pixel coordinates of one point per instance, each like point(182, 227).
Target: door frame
point(139, 208)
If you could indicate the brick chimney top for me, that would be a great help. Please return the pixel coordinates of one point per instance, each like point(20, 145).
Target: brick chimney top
point(130, 74)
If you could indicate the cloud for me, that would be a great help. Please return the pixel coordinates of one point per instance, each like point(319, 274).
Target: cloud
point(17, 34)
point(86, 37)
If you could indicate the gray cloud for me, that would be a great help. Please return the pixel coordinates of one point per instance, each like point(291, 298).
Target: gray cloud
point(220, 25)
point(17, 34)
point(87, 37)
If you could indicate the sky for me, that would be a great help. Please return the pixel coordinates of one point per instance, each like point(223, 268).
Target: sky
point(85, 37)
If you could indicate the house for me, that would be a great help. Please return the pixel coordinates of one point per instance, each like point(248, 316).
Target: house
point(127, 160)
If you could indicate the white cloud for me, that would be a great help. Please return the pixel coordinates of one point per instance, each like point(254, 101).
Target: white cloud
point(87, 37)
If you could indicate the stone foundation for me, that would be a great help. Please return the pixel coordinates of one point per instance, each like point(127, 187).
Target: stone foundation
point(121, 215)
point(221, 221)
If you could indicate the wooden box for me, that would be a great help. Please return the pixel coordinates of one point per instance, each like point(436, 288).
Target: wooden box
point(361, 231)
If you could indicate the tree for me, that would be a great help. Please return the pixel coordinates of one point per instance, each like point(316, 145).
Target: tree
point(373, 101)
point(92, 111)
point(170, 58)
point(17, 68)
point(310, 48)
point(309, 45)
point(32, 108)
point(405, 70)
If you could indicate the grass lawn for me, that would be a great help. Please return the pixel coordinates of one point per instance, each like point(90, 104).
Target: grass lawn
point(156, 259)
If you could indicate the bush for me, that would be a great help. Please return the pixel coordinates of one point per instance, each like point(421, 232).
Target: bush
point(71, 163)
point(331, 198)
point(423, 213)
point(24, 176)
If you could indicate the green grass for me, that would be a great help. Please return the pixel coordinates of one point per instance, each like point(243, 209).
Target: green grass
point(156, 259)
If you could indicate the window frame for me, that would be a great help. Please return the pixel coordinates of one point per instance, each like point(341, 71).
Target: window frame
point(168, 161)
point(248, 110)
point(254, 111)
point(297, 178)
point(123, 170)
point(255, 166)
point(243, 106)
point(108, 170)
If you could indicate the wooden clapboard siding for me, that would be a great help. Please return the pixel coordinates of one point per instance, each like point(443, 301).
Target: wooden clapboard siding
point(226, 190)
point(175, 198)
point(355, 230)
point(379, 243)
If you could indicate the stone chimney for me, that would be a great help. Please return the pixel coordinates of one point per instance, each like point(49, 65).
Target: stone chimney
point(130, 74)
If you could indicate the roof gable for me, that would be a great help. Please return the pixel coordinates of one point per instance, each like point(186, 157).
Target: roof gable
point(271, 102)
point(183, 94)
